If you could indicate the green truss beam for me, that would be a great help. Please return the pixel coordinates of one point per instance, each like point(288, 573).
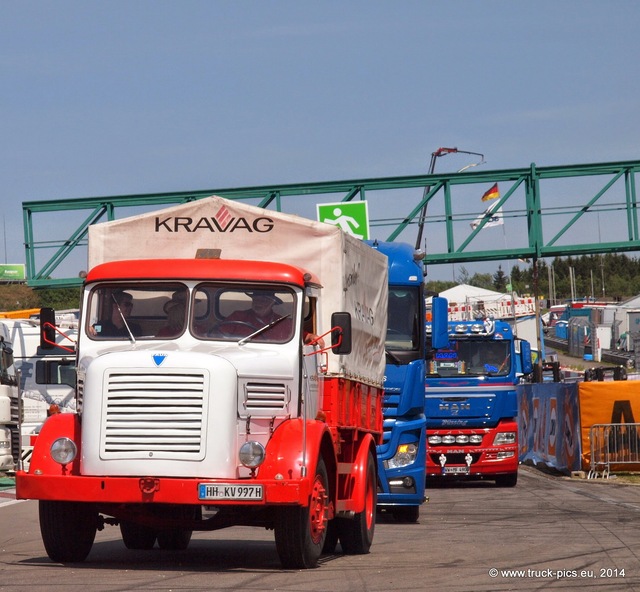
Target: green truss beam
point(530, 199)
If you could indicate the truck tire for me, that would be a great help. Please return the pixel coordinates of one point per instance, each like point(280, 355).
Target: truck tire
point(331, 540)
point(68, 529)
point(356, 535)
point(300, 532)
point(178, 539)
point(406, 514)
point(508, 480)
point(137, 536)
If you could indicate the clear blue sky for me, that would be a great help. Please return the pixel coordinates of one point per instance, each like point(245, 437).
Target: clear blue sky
point(120, 97)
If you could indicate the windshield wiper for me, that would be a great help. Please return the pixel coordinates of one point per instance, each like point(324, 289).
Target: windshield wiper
point(262, 329)
point(133, 339)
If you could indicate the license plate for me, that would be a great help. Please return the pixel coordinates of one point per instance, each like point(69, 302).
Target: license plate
point(229, 491)
point(456, 470)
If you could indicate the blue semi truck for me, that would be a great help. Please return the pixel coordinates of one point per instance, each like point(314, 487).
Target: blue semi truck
point(471, 404)
point(401, 456)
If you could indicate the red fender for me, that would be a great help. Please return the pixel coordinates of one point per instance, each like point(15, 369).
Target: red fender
point(359, 471)
point(284, 450)
point(56, 426)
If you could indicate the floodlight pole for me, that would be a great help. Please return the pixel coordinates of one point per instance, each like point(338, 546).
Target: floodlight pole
point(434, 155)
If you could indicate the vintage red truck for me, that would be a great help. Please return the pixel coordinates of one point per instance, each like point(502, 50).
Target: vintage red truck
point(215, 421)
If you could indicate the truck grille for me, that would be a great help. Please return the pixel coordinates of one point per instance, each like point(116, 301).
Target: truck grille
point(455, 458)
point(154, 414)
point(390, 412)
point(265, 398)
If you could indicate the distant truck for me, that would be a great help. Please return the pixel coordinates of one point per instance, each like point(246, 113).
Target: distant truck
point(402, 454)
point(189, 416)
point(9, 415)
point(471, 404)
point(47, 371)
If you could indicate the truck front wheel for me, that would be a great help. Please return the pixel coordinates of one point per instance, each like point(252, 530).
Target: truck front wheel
point(300, 532)
point(509, 480)
point(406, 514)
point(136, 536)
point(177, 539)
point(356, 535)
point(68, 529)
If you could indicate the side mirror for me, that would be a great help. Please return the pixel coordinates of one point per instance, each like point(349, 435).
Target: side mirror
point(341, 333)
point(439, 322)
point(47, 328)
point(526, 361)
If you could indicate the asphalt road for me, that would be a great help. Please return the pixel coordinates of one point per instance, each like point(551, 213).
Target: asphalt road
point(547, 533)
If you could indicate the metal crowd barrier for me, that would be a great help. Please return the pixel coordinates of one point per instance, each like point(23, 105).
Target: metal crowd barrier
point(613, 444)
point(599, 374)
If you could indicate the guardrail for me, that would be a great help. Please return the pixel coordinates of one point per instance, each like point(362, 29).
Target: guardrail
point(613, 444)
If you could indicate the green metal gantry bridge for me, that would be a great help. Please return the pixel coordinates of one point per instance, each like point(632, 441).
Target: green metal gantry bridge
point(546, 212)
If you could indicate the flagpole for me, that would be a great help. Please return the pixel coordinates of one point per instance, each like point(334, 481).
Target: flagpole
point(513, 303)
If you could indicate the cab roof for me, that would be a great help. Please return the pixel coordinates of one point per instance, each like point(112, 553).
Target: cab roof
point(202, 269)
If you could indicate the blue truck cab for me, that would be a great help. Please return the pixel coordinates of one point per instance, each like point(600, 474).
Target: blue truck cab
point(471, 404)
point(401, 456)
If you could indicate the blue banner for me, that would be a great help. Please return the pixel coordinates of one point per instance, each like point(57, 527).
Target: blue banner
point(549, 426)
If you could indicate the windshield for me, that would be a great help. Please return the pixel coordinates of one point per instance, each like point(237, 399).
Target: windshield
point(213, 311)
point(239, 313)
point(471, 357)
point(137, 311)
point(403, 319)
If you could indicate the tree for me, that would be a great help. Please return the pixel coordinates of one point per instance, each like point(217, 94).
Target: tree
point(463, 276)
point(437, 286)
point(17, 297)
point(481, 280)
point(60, 298)
point(500, 280)
point(20, 297)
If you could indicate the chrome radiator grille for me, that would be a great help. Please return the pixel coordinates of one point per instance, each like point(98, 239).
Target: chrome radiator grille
point(149, 414)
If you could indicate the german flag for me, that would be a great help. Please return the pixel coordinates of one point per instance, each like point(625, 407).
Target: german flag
point(492, 193)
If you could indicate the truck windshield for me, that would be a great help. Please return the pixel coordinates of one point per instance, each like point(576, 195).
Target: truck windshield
point(403, 319)
point(471, 357)
point(214, 311)
point(245, 314)
point(137, 311)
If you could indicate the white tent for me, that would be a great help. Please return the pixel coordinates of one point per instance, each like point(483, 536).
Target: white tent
point(464, 293)
point(467, 302)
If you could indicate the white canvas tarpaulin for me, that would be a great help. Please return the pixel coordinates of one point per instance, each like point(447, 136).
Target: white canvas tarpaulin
point(353, 275)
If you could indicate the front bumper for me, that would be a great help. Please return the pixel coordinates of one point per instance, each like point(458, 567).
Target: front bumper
point(403, 486)
point(131, 490)
point(472, 461)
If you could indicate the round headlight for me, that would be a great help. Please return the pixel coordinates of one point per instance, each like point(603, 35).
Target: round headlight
point(435, 440)
point(462, 439)
point(475, 439)
point(448, 439)
point(251, 454)
point(63, 451)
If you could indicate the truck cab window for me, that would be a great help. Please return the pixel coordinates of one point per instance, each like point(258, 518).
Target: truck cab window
point(471, 358)
point(7, 371)
point(403, 319)
point(138, 311)
point(237, 312)
point(56, 372)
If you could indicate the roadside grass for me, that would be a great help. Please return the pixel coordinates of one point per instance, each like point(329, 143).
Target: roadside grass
point(631, 478)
